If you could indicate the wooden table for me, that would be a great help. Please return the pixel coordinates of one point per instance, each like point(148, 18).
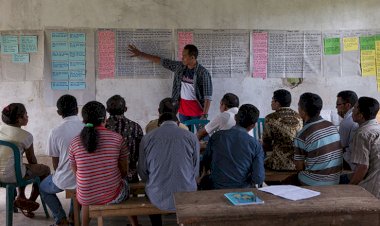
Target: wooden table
point(337, 205)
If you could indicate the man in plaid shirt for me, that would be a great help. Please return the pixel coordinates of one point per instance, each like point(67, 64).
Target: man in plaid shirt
point(192, 85)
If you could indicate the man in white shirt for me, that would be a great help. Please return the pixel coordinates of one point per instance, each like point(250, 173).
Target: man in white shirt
point(59, 140)
point(226, 119)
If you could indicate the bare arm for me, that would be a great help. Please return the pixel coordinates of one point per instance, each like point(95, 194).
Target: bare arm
point(137, 53)
point(55, 161)
point(30, 155)
point(206, 107)
point(123, 166)
point(359, 174)
point(300, 165)
point(74, 168)
point(201, 133)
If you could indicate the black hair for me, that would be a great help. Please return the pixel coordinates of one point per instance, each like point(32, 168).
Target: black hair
point(67, 105)
point(283, 97)
point(348, 96)
point(192, 50)
point(167, 116)
point(167, 105)
point(311, 103)
point(116, 105)
point(12, 113)
point(247, 115)
point(94, 114)
point(230, 100)
point(368, 107)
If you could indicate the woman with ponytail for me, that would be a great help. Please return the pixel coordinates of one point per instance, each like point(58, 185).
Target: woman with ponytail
point(99, 158)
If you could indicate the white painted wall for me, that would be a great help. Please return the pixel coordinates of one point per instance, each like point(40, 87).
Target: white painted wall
point(143, 95)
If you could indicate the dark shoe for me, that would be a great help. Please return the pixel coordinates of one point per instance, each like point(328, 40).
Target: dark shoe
point(29, 214)
point(26, 205)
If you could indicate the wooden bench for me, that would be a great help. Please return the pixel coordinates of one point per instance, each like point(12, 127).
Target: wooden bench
point(71, 193)
point(135, 189)
point(281, 177)
point(134, 206)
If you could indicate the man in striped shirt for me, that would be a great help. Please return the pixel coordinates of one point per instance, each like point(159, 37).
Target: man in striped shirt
point(318, 153)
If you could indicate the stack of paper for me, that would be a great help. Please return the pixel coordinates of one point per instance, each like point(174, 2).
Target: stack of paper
point(290, 192)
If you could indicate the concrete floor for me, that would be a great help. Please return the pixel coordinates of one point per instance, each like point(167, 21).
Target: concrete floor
point(20, 220)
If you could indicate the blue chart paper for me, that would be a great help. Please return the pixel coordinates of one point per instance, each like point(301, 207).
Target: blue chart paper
point(60, 75)
point(77, 65)
point(9, 44)
point(60, 66)
point(59, 46)
point(68, 54)
point(9, 40)
point(78, 75)
point(59, 37)
point(28, 44)
point(77, 85)
point(22, 58)
point(59, 56)
point(60, 85)
point(77, 47)
point(77, 37)
point(75, 56)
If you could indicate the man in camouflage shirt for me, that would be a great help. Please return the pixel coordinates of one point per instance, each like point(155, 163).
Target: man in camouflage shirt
point(280, 129)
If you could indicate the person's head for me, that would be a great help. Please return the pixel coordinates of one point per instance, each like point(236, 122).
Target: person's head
point(167, 116)
point(281, 98)
point(228, 101)
point(345, 100)
point(15, 114)
point(189, 55)
point(167, 105)
point(67, 106)
point(309, 106)
point(116, 105)
point(365, 109)
point(247, 116)
point(94, 114)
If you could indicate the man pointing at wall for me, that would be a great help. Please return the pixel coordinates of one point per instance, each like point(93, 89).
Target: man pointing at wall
point(192, 85)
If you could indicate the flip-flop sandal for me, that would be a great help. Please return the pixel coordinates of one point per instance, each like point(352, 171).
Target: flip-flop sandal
point(26, 205)
point(27, 213)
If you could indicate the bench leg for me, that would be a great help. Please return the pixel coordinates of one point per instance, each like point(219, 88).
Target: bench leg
point(76, 211)
point(85, 215)
point(100, 221)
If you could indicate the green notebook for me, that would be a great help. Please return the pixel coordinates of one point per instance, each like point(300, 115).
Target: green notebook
point(243, 198)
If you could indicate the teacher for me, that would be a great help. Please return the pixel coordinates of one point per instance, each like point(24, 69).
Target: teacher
point(192, 85)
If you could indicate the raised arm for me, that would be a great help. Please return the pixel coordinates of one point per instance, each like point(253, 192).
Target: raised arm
point(137, 53)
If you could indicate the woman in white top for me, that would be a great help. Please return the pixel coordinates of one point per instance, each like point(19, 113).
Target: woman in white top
point(14, 116)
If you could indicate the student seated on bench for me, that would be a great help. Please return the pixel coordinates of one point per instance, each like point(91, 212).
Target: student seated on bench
point(366, 146)
point(58, 144)
point(236, 159)
point(14, 117)
point(229, 106)
point(130, 130)
point(280, 129)
point(169, 163)
point(166, 105)
point(318, 153)
point(99, 158)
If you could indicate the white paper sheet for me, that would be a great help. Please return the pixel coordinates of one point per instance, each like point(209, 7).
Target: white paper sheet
point(290, 192)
